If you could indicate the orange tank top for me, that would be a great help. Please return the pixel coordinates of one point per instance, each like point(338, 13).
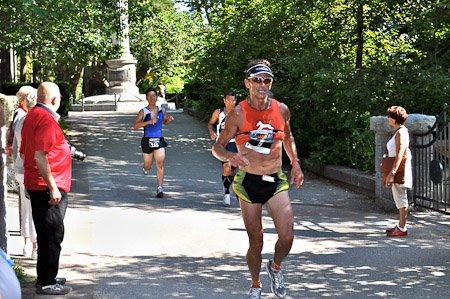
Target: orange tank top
point(261, 126)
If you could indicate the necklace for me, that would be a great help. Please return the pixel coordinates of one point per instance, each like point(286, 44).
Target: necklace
point(265, 108)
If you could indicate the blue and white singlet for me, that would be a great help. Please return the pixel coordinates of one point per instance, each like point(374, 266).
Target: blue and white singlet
point(221, 123)
point(156, 129)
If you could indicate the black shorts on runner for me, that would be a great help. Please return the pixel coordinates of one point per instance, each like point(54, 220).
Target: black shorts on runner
point(259, 189)
point(149, 144)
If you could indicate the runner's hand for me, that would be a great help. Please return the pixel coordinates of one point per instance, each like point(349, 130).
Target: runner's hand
point(239, 159)
point(296, 175)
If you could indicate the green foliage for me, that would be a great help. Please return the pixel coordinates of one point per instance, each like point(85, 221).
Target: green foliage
point(164, 42)
point(312, 46)
point(20, 273)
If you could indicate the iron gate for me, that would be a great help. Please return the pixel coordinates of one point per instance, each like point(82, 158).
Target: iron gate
point(431, 171)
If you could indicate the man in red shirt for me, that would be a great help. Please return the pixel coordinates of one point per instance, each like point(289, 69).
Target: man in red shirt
point(48, 174)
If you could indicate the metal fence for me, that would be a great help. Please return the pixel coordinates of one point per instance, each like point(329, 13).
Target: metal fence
point(431, 165)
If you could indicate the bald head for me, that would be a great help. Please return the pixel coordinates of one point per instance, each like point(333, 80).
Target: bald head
point(48, 93)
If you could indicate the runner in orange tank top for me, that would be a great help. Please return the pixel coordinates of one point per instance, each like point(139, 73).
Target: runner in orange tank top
point(261, 128)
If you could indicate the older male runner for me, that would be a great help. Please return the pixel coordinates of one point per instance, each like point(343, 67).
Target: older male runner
point(260, 126)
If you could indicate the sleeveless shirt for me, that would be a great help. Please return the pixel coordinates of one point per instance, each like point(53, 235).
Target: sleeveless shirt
point(221, 123)
point(156, 129)
point(260, 127)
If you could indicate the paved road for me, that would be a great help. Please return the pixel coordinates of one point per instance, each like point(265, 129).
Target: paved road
point(122, 242)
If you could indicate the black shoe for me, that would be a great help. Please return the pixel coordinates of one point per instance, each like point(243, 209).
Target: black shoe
point(159, 192)
point(53, 289)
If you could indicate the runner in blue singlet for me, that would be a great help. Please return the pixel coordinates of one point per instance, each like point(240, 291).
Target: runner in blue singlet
point(151, 118)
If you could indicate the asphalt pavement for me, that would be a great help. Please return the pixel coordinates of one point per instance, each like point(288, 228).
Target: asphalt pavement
point(123, 242)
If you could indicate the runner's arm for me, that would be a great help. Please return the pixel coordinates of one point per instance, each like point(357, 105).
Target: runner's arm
point(138, 123)
point(232, 124)
point(166, 119)
point(212, 123)
point(291, 148)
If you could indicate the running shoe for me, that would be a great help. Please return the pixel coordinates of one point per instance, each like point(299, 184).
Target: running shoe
point(390, 230)
point(255, 293)
point(226, 200)
point(397, 233)
point(53, 289)
point(145, 171)
point(277, 281)
point(159, 192)
point(26, 251)
point(34, 254)
point(59, 280)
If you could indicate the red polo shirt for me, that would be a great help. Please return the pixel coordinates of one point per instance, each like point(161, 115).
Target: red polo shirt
point(41, 132)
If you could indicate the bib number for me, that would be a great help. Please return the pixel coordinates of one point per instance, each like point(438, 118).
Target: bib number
point(154, 142)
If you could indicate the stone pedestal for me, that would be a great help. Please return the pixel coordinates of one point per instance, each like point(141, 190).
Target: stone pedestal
point(122, 70)
point(122, 76)
point(416, 123)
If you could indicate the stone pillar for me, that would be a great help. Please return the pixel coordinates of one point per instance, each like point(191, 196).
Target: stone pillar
point(416, 123)
point(122, 70)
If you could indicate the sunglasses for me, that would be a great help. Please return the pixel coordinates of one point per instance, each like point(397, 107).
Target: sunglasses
point(260, 80)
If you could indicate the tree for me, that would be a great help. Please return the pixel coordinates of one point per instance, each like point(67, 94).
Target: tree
point(62, 36)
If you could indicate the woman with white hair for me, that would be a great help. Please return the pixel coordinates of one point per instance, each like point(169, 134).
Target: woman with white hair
point(27, 99)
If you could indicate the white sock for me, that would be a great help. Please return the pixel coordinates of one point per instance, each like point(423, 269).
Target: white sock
point(402, 229)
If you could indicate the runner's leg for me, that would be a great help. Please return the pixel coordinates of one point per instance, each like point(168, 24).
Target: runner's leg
point(252, 213)
point(148, 161)
point(160, 155)
point(280, 209)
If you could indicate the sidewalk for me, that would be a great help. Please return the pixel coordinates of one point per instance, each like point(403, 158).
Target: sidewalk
point(122, 242)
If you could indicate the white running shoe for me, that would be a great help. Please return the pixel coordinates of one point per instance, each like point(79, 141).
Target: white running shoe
point(26, 251)
point(226, 200)
point(145, 171)
point(255, 293)
point(277, 281)
point(34, 254)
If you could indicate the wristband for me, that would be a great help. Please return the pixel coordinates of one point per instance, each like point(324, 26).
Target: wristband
point(393, 171)
point(295, 160)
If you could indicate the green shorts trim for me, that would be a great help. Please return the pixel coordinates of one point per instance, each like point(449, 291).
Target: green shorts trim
point(255, 188)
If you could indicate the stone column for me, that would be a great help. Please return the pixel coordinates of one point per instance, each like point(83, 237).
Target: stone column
point(416, 123)
point(122, 70)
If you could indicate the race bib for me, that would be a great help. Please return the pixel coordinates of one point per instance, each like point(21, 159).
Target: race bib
point(154, 142)
point(260, 141)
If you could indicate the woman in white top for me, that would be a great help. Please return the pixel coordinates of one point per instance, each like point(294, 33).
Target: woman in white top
point(398, 146)
point(27, 228)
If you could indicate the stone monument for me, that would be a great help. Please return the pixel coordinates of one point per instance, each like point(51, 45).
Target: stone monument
point(122, 94)
point(122, 70)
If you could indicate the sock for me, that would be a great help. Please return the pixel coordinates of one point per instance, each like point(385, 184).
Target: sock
point(256, 285)
point(226, 183)
point(275, 267)
point(402, 229)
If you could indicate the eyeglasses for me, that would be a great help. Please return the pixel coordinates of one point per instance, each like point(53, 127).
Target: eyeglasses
point(260, 80)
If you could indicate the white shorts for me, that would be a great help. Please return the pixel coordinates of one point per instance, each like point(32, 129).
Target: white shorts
point(400, 194)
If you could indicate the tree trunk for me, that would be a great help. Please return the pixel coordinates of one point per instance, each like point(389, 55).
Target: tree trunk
point(5, 66)
point(23, 68)
point(360, 38)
